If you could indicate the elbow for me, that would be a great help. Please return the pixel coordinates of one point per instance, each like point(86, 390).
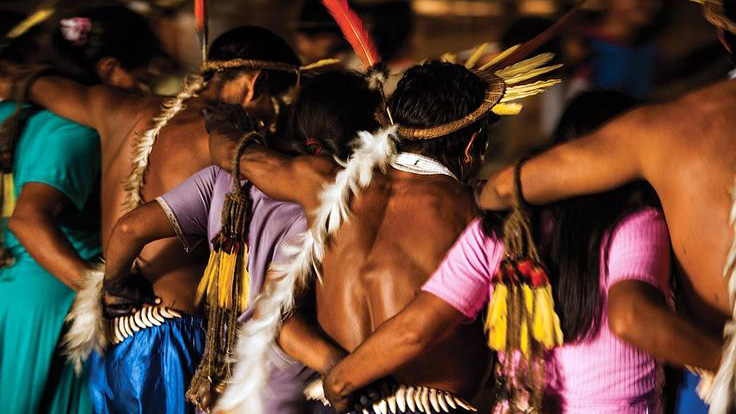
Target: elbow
point(129, 229)
point(413, 339)
point(623, 321)
point(17, 224)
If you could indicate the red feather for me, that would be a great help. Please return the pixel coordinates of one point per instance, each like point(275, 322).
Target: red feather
point(352, 29)
point(201, 11)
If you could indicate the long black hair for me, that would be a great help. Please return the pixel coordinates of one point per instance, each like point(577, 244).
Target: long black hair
point(572, 232)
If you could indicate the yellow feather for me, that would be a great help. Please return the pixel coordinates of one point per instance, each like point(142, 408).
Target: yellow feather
point(499, 56)
point(320, 63)
point(526, 291)
point(473, 59)
point(449, 57)
point(504, 109)
point(538, 325)
point(531, 74)
point(525, 66)
point(37, 17)
point(522, 91)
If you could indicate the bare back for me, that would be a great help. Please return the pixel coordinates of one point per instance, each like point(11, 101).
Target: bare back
point(400, 229)
point(181, 150)
point(689, 156)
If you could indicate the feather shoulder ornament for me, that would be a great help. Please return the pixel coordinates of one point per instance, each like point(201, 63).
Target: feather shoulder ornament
point(719, 391)
point(249, 381)
point(86, 322)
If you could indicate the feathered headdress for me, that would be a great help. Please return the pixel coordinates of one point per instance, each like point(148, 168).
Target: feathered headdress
point(507, 79)
point(715, 14)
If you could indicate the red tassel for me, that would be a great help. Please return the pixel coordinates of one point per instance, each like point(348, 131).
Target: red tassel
point(353, 30)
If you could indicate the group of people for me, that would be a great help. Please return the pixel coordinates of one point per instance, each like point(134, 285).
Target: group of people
point(280, 238)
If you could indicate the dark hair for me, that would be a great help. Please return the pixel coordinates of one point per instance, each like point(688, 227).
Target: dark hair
point(252, 42)
point(570, 233)
point(435, 93)
point(115, 32)
point(23, 48)
point(330, 109)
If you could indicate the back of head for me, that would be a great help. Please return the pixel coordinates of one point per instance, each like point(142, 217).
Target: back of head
point(82, 39)
point(435, 93)
point(331, 109)
point(257, 43)
point(589, 110)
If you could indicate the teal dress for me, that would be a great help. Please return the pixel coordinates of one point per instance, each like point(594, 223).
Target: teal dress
point(34, 377)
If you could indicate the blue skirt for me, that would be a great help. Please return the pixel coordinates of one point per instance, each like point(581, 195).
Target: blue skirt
point(150, 371)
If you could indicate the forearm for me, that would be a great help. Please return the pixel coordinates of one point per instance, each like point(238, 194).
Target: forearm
point(304, 342)
point(65, 98)
point(131, 233)
point(47, 244)
point(647, 323)
point(270, 171)
point(398, 341)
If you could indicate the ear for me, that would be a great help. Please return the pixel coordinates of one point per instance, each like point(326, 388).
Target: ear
point(249, 85)
point(105, 68)
point(468, 158)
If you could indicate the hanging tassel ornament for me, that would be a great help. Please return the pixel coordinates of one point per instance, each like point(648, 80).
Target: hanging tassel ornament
point(224, 288)
point(521, 321)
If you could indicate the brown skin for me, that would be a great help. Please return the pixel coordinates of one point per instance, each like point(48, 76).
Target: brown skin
point(148, 223)
point(686, 151)
point(34, 223)
point(427, 319)
point(400, 229)
point(181, 150)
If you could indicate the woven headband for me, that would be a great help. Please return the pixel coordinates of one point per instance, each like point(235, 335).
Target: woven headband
point(495, 89)
point(223, 65)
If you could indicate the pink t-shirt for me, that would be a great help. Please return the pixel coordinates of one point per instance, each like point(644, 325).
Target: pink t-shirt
point(600, 375)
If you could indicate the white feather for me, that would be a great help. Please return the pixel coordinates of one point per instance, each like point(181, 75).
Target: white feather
point(722, 391)
point(86, 323)
point(244, 393)
point(143, 144)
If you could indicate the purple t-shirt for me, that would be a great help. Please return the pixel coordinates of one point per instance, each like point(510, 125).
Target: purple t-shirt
point(195, 210)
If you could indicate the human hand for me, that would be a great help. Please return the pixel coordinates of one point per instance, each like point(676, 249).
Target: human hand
point(226, 124)
point(123, 295)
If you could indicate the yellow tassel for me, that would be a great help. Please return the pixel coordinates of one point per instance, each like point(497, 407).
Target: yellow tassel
point(524, 339)
point(8, 195)
point(245, 282)
point(207, 278)
point(497, 319)
point(546, 327)
point(526, 291)
point(504, 109)
point(473, 59)
point(225, 280)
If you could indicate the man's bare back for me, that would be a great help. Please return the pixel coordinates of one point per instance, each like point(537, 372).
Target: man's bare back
point(686, 150)
point(180, 151)
point(399, 231)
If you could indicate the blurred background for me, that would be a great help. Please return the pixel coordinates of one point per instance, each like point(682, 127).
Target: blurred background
point(652, 49)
